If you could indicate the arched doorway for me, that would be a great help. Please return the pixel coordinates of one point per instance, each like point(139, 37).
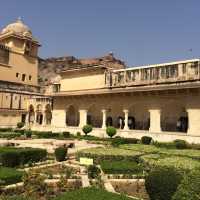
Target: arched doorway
point(39, 115)
point(174, 118)
point(48, 114)
point(94, 116)
point(72, 116)
point(31, 114)
point(139, 117)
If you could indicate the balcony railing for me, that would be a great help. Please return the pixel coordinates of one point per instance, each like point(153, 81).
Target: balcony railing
point(150, 75)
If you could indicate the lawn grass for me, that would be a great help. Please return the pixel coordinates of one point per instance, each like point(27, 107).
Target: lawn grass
point(121, 167)
point(189, 153)
point(9, 176)
point(150, 155)
point(91, 194)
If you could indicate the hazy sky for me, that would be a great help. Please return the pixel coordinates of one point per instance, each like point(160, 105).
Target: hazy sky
point(137, 31)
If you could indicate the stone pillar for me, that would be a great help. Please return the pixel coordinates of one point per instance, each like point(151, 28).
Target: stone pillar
point(83, 118)
point(126, 119)
point(193, 121)
point(104, 119)
point(58, 118)
point(180, 70)
point(43, 119)
point(155, 120)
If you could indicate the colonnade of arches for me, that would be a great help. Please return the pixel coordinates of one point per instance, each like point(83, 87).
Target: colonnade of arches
point(39, 115)
point(135, 117)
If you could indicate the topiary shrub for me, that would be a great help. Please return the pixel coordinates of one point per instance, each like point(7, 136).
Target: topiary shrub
point(87, 129)
point(189, 189)
point(111, 131)
point(93, 171)
point(28, 133)
point(146, 140)
point(20, 124)
point(180, 144)
point(60, 153)
point(162, 183)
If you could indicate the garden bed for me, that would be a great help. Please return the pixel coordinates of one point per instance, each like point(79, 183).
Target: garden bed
point(133, 187)
point(91, 194)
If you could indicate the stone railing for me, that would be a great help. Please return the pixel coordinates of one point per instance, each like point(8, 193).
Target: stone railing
point(154, 74)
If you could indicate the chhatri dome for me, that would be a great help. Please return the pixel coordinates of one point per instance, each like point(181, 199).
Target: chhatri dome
point(18, 28)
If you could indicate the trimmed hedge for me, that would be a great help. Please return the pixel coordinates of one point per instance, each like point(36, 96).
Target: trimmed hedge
point(60, 153)
point(180, 144)
point(119, 141)
point(9, 176)
point(10, 135)
point(121, 167)
point(47, 134)
point(162, 183)
point(12, 157)
point(5, 129)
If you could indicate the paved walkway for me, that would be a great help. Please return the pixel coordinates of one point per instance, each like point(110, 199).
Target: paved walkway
point(50, 144)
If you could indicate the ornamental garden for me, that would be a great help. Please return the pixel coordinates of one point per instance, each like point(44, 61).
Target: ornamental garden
point(61, 166)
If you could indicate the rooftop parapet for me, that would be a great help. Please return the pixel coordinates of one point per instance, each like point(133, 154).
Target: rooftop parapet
point(181, 71)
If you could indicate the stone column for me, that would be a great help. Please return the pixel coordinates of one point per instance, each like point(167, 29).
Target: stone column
point(193, 121)
point(104, 119)
point(43, 119)
point(83, 118)
point(58, 118)
point(126, 119)
point(155, 120)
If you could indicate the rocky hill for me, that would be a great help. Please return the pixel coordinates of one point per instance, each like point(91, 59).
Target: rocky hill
point(50, 68)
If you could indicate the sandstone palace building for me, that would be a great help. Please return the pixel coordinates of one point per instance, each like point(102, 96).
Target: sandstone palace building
point(63, 94)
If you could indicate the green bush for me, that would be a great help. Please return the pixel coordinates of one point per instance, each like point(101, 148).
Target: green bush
point(21, 131)
point(180, 144)
point(28, 133)
point(5, 129)
point(146, 140)
point(119, 141)
point(93, 171)
point(20, 124)
point(111, 131)
point(189, 189)
point(78, 134)
point(47, 134)
point(12, 157)
point(60, 153)
point(121, 167)
point(66, 134)
point(9, 135)
point(167, 145)
point(162, 183)
point(9, 176)
point(87, 129)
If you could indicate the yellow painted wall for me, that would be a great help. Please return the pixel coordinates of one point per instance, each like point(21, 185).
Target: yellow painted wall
point(82, 82)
